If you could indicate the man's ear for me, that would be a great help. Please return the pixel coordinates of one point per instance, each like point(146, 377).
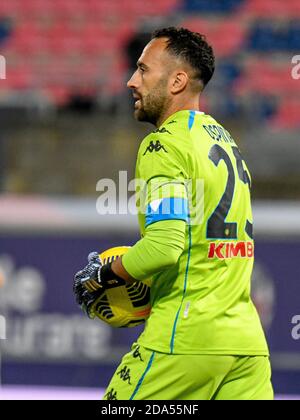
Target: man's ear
point(179, 82)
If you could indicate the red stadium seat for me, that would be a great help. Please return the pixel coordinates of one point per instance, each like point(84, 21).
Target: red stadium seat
point(97, 45)
point(126, 30)
point(61, 39)
point(133, 8)
point(19, 78)
point(63, 45)
point(11, 8)
point(270, 8)
point(229, 37)
point(149, 7)
point(64, 8)
point(264, 77)
point(226, 37)
point(28, 44)
point(287, 116)
point(104, 7)
point(59, 94)
point(36, 9)
point(197, 24)
point(110, 24)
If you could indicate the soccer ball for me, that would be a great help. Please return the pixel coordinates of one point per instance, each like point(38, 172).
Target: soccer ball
point(123, 306)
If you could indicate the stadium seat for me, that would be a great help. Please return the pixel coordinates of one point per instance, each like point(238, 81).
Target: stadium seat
point(38, 8)
point(97, 45)
point(127, 30)
point(267, 8)
point(20, 78)
point(287, 116)
point(60, 94)
point(27, 45)
point(227, 73)
point(84, 40)
point(66, 31)
point(11, 8)
point(209, 6)
point(5, 29)
point(67, 43)
point(226, 36)
point(103, 8)
point(149, 7)
point(197, 24)
point(264, 77)
point(268, 37)
point(132, 9)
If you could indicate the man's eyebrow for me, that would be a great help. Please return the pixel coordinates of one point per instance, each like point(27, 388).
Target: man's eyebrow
point(141, 64)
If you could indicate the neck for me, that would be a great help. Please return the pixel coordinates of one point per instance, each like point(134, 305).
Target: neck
point(188, 104)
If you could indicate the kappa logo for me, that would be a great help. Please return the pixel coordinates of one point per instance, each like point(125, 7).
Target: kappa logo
point(111, 394)
point(155, 147)
point(125, 374)
point(137, 354)
point(226, 250)
point(162, 130)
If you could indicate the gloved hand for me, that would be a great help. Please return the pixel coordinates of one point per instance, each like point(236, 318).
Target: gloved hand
point(89, 277)
point(92, 281)
point(87, 287)
point(85, 299)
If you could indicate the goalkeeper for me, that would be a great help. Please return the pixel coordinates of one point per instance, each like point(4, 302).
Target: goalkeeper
point(203, 339)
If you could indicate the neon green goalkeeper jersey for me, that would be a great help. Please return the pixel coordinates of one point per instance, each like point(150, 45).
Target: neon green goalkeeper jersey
point(202, 305)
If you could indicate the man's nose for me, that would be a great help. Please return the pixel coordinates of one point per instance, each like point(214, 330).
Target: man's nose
point(132, 82)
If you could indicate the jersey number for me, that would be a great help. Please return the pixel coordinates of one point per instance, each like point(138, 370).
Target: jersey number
point(217, 227)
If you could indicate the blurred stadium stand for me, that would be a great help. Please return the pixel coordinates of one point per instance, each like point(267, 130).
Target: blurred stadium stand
point(66, 122)
point(75, 55)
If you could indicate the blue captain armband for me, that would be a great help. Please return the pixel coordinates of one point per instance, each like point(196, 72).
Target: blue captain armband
point(171, 208)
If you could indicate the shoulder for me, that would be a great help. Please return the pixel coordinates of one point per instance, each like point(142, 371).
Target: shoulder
point(162, 153)
point(174, 135)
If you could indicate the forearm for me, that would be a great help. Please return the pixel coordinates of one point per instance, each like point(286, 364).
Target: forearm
point(160, 248)
point(118, 268)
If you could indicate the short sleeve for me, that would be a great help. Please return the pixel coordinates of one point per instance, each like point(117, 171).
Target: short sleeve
point(160, 155)
point(162, 170)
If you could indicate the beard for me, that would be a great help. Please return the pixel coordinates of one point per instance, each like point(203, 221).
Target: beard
point(153, 105)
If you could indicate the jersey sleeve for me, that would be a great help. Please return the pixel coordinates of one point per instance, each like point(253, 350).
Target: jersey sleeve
point(162, 168)
point(160, 155)
point(160, 249)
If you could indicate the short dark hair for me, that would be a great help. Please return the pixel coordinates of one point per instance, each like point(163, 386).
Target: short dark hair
point(191, 47)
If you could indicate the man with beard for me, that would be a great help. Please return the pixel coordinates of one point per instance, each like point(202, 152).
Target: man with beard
point(203, 339)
